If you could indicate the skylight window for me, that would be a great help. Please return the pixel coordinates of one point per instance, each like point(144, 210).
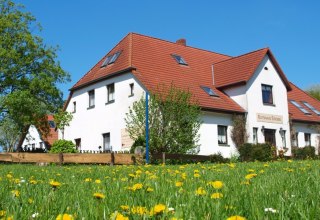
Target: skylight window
point(305, 111)
point(312, 108)
point(179, 59)
point(209, 91)
point(110, 59)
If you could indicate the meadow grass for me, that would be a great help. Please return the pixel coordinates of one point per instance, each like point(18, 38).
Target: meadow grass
point(275, 190)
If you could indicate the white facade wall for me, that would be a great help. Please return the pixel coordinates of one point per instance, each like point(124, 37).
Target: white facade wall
point(249, 97)
point(32, 139)
point(91, 124)
point(209, 134)
point(301, 129)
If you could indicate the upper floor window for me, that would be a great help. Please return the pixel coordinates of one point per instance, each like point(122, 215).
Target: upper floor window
point(111, 59)
point(52, 124)
point(267, 96)
point(222, 134)
point(74, 107)
point(91, 99)
point(307, 139)
point(131, 89)
point(179, 59)
point(110, 91)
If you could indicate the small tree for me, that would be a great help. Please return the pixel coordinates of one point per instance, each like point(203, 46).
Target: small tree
point(174, 121)
point(62, 119)
point(239, 133)
point(314, 91)
point(9, 135)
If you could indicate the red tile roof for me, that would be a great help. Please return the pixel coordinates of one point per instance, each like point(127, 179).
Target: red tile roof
point(150, 60)
point(301, 96)
point(240, 69)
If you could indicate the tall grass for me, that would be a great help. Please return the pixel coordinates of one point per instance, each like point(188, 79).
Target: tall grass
point(277, 190)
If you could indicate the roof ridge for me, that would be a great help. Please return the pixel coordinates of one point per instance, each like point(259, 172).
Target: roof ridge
point(243, 54)
point(179, 45)
point(303, 92)
point(102, 59)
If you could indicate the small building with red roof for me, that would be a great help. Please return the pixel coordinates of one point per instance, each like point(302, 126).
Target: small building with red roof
point(251, 84)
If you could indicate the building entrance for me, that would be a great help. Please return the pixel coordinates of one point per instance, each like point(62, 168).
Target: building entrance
point(269, 136)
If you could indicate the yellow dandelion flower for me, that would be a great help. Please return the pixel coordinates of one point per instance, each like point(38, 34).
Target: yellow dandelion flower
point(200, 191)
point(250, 176)
point(266, 165)
point(251, 170)
point(159, 208)
point(236, 217)
point(184, 176)
point(232, 165)
point(216, 196)
point(15, 193)
point(97, 181)
point(2, 213)
point(124, 207)
point(149, 189)
point(245, 182)
point(87, 179)
point(140, 210)
point(179, 184)
point(197, 175)
point(33, 182)
point(55, 184)
point(64, 217)
point(289, 161)
point(137, 186)
point(99, 196)
point(216, 184)
point(9, 176)
point(30, 200)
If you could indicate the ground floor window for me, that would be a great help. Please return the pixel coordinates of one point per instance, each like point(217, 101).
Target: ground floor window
point(295, 140)
point(283, 136)
point(255, 135)
point(307, 139)
point(78, 143)
point(222, 134)
point(106, 142)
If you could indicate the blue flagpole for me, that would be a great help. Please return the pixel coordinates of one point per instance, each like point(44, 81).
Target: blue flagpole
point(147, 127)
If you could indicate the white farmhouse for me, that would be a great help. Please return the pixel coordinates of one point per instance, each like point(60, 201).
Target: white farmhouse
point(252, 84)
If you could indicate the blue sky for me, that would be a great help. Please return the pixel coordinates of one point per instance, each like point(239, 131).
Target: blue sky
point(87, 30)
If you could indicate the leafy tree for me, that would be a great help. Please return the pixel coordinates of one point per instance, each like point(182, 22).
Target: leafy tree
point(9, 135)
point(314, 91)
point(239, 133)
point(29, 71)
point(62, 119)
point(174, 121)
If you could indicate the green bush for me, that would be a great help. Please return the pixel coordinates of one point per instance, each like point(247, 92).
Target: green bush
point(252, 152)
point(63, 146)
point(218, 158)
point(303, 152)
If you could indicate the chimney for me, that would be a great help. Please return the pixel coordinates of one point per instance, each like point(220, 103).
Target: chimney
point(182, 42)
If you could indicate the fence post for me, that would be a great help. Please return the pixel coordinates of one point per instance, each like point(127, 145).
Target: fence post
point(112, 158)
point(60, 159)
point(163, 157)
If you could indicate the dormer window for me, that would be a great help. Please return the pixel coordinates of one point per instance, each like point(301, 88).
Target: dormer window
point(111, 59)
point(179, 59)
point(209, 91)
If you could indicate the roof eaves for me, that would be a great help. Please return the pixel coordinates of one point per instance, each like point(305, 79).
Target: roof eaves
point(226, 86)
point(103, 78)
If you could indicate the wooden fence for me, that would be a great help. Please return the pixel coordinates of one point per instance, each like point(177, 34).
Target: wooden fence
point(108, 158)
point(101, 158)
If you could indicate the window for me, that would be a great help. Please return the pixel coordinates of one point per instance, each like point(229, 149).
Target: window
point(307, 139)
point(74, 107)
point(111, 59)
point(267, 97)
point(312, 108)
point(91, 99)
point(179, 59)
point(41, 145)
point(131, 89)
point(222, 134)
point(305, 111)
point(209, 91)
point(295, 140)
point(255, 135)
point(106, 142)
point(33, 146)
point(110, 90)
point(283, 137)
point(52, 124)
point(78, 143)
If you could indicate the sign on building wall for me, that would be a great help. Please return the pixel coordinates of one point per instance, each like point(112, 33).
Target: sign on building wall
point(126, 141)
point(277, 119)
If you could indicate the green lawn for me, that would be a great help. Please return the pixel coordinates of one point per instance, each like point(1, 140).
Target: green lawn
point(277, 190)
